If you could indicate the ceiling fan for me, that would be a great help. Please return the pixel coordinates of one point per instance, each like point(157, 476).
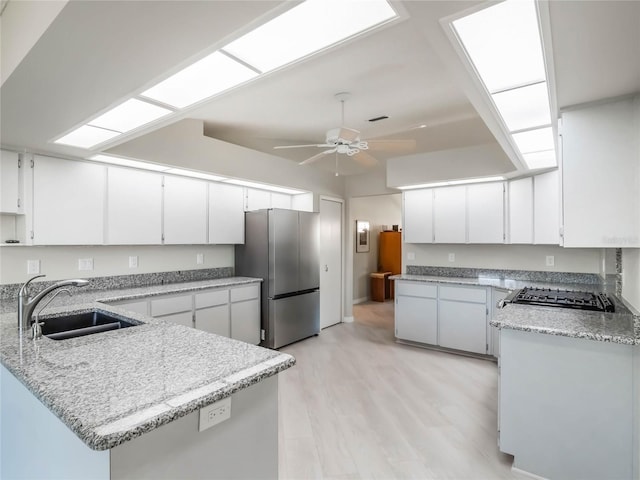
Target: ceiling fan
point(347, 141)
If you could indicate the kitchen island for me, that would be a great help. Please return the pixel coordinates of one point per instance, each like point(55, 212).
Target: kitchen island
point(132, 398)
point(569, 392)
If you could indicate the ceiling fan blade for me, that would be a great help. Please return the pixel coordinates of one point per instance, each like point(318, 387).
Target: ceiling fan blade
point(392, 145)
point(364, 159)
point(348, 134)
point(301, 146)
point(317, 156)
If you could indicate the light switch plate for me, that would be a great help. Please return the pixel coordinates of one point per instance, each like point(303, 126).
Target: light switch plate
point(550, 261)
point(200, 258)
point(133, 261)
point(85, 264)
point(411, 256)
point(452, 257)
point(33, 267)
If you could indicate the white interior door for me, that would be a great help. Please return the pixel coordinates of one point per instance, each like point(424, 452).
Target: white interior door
point(330, 262)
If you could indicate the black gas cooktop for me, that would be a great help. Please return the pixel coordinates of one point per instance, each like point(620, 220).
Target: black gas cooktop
point(563, 298)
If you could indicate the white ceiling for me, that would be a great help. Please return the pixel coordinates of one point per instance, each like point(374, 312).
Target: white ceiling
point(96, 54)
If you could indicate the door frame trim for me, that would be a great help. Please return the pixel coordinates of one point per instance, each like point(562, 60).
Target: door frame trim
point(341, 201)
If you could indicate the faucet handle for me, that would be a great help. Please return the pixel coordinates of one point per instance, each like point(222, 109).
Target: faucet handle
point(25, 286)
point(36, 330)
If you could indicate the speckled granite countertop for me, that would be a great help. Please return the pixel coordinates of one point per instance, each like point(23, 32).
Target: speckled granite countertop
point(606, 327)
point(111, 387)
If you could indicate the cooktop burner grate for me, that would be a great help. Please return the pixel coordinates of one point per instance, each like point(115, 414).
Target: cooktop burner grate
point(564, 298)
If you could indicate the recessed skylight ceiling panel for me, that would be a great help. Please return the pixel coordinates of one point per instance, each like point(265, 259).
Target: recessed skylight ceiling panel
point(203, 79)
point(524, 107)
point(307, 28)
point(537, 140)
point(546, 159)
point(129, 115)
point(503, 42)
point(87, 136)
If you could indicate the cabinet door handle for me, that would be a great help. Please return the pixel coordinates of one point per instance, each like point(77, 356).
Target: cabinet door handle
point(326, 268)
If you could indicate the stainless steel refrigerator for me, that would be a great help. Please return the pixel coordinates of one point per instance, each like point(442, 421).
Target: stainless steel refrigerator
point(282, 247)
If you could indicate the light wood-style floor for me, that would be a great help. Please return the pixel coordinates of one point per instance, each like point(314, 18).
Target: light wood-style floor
point(357, 405)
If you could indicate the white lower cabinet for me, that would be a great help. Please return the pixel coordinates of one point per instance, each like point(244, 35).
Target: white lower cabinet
point(448, 316)
point(230, 312)
point(416, 312)
point(176, 309)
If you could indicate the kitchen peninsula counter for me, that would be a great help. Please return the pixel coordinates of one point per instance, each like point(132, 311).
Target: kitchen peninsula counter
point(113, 387)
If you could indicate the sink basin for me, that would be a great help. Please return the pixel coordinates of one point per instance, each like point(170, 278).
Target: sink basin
point(78, 325)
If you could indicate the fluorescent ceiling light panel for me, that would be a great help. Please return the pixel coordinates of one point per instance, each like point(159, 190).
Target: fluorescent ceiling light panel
point(191, 173)
point(262, 186)
point(203, 79)
point(127, 162)
point(453, 182)
point(537, 140)
point(129, 115)
point(503, 42)
point(87, 136)
point(307, 28)
point(544, 159)
point(524, 107)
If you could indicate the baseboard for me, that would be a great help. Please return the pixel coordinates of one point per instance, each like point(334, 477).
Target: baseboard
point(348, 319)
point(528, 474)
point(360, 300)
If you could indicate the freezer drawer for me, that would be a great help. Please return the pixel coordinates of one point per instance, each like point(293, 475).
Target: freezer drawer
point(293, 318)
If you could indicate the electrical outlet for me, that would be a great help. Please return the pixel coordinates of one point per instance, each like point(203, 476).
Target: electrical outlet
point(452, 257)
point(133, 261)
point(550, 260)
point(215, 413)
point(200, 258)
point(85, 264)
point(33, 267)
point(411, 256)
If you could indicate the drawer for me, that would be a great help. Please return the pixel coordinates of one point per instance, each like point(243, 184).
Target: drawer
point(416, 289)
point(169, 305)
point(212, 298)
point(463, 294)
point(245, 293)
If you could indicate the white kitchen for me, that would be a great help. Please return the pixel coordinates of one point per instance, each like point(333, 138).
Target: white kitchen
point(146, 146)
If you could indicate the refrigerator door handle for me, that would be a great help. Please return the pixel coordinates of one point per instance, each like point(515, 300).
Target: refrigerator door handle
point(326, 268)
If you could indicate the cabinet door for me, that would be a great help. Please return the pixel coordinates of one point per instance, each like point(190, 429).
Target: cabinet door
point(245, 321)
point(185, 211)
point(521, 211)
point(226, 213)
point(257, 199)
point(600, 171)
point(546, 210)
point(214, 320)
point(9, 182)
point(418, 216)
point(485, 213)
point(184, 318)
point(463, 326)
point(280, 200)
point(68, 202)
point(416, 319)
point(450, 214)
point(134, 207)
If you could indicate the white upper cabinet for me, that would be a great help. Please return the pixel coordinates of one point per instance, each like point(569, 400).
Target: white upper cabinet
point(450, 215)
point(546, 208)
point(257, 199)
point(9, 182)
point(226, 214)
point(134, 207)
point(601, 175)
point(68, 202)
point(521, 211)
point(485, 213)
point(418, 216)
point(185, 210)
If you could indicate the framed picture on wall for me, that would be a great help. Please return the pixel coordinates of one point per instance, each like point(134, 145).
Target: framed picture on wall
point(362, 236)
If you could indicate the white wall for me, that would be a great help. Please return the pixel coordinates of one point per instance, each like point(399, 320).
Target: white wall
point(377, 210)
point(506, 257)
point(59, 262)
point(631, 276)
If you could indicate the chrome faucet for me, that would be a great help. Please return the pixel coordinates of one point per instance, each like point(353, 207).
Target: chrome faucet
point(26, 304)
point(36, 328)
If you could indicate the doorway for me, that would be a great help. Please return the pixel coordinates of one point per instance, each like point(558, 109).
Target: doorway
point(331, 240)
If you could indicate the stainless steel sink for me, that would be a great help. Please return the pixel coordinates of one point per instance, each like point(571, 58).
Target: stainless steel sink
point(77, 325)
